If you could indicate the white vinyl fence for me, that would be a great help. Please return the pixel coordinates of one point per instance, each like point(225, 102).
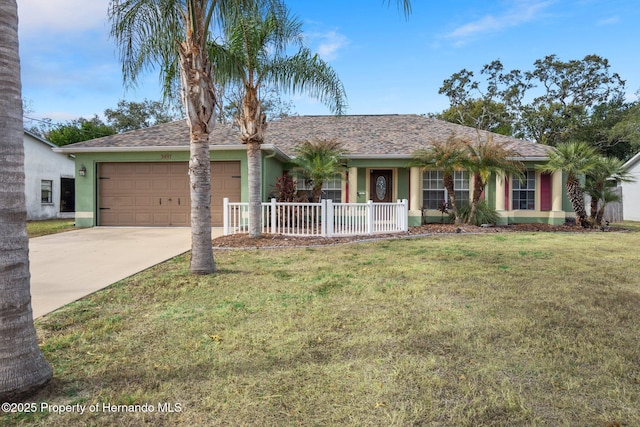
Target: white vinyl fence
point(324, 219)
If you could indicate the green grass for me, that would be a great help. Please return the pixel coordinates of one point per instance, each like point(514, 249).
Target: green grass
point(53, 226)
point(463, 330)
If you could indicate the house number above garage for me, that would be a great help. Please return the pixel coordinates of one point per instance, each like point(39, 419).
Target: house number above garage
point(165, 156)
point(381, 187)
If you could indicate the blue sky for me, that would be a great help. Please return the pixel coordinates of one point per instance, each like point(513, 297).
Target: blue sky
point(388, 64)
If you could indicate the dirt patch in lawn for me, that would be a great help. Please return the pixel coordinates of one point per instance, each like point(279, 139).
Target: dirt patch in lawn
point(277, 240)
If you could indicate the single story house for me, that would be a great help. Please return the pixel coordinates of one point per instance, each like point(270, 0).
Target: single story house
point(49, 180)
point(140, 177)
point(631, 190)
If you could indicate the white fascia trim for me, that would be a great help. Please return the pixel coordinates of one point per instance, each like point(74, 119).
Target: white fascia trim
point(278, 152)
point(631, 162)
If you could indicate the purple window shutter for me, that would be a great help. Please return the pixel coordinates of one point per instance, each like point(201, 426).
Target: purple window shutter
point(545, 192)
point(506, 193)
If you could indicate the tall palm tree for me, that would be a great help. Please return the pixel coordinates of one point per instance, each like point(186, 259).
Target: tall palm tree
point(23, 368)
point(596, 185)
point(448, 156)
point(255, 54)
point(486, 157)
point(173, 36)
point(574, 159)
point(318, 161)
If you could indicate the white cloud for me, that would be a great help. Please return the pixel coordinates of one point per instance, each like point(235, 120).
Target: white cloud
point(66, 16)
point(329, 44)
point(609, 21)
point(524, 11)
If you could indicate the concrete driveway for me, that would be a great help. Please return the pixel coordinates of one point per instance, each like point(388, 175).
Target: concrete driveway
point(68, 266)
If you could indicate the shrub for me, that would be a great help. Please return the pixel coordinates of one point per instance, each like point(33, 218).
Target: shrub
point(484, 213)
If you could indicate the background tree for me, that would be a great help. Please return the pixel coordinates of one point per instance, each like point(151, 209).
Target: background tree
point(485, 157)
point(255, 53)
point(318, 161)
point(568, 93)
point(574, 159)
point(23, 368)
point(480, 114)
point(130, 115)
point(448, 156)
point(274, 106)
point(613, 128)
point(78, 130)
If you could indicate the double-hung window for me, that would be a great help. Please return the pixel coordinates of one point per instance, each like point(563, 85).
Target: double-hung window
point(46, 191)
point(331, 188)
point(434, 195)
point(524, 192)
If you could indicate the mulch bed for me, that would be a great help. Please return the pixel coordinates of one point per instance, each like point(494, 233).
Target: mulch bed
point(277, 241)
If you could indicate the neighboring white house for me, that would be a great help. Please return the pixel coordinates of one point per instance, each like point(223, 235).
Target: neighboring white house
point(631, 190)
point(49, 180)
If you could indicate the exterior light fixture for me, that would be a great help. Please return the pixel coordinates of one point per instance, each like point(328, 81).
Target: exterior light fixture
point(82, 171)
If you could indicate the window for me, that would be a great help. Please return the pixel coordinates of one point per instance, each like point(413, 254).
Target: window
point(46, 191)
point(524, 192)
point(331, 188)
point(434, 193)
point(461, 188)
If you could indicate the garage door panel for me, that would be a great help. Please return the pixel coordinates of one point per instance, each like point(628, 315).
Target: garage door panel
point(157, 194)
point(145, 202)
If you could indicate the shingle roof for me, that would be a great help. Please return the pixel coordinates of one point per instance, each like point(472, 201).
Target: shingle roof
point(361, 136)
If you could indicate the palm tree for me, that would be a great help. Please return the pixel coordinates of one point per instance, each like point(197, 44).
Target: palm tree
point(318, 161)
point(173, 35)
point(448, 156)
point(255, 54)
point(605, 169)
point(23, 368)
point(574, 159)
point(486, 157)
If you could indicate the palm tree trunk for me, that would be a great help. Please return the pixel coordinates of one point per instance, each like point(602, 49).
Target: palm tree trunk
point(478, 188)
point(576, 197)
point(199, 100)
point(447, 180)
point(594, 209)
point(254, 161)
point(202, 261)
point(23, 368)
point(317, 193)
point(253, 124)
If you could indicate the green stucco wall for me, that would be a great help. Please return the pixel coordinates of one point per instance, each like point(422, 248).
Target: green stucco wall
point(271, 169)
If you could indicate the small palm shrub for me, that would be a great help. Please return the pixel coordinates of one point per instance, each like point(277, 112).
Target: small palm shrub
point(484, 214)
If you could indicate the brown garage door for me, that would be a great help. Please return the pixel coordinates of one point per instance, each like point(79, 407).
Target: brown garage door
point(157, 194)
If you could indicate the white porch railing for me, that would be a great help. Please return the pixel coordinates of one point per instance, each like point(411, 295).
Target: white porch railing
point(324, 219)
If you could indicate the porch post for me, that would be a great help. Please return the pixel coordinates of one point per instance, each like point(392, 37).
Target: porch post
point(500, 200)
point(414, 205)
point(353, 185)
point(556, 191)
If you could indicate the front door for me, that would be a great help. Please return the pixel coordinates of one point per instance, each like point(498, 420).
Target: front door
point(381, 187)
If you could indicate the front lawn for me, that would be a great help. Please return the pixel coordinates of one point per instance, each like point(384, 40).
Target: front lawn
point(509, 329)
point(51, 226)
